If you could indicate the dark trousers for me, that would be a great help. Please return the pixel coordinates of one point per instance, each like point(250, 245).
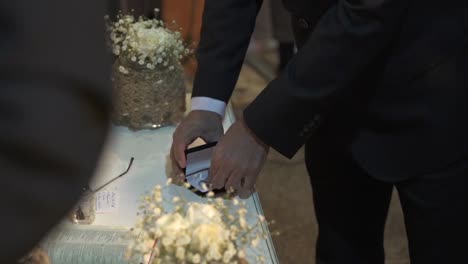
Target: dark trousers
point(351, 208)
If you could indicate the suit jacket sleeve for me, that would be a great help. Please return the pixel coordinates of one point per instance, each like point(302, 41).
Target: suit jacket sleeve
point(226, 31)
point(346, 40)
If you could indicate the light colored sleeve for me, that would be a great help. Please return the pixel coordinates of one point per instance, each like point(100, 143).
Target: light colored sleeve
point(209, 104)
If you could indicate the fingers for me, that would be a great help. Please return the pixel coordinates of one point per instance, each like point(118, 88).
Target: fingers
point(178, 175)
point(236, 161)
point(178, 151)
point(233, 183)
point(251, 175)
point(220, 168)
point(218, 181)
point(241, 182)
point(245, 193)
point(250, 179)
point(247, 184)
point(218, 175)
point(214, 168)
point(180, 140)
point(238, 181)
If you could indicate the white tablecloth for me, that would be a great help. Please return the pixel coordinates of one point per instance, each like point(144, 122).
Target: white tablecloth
point(150, 150)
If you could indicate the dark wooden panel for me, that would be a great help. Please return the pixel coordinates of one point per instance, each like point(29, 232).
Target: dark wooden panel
point(188, 16)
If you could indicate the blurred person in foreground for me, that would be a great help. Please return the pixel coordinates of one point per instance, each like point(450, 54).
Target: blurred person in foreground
point(377, 94)
point(54, 103)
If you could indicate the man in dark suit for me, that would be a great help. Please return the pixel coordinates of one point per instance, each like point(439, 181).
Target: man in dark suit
point(377, 93)
point(54, 107)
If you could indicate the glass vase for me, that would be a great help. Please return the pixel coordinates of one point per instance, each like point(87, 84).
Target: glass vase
point(147, 98)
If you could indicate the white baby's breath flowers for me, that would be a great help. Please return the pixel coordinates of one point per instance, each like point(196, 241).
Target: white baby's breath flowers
point(204, 186)
point(261, 218)
point(216, 231)
point(147, 42)
point(255, 242)
point(180, 253)
point(196, 258)
point(198, 214)
point(169, 181)
point(123, 70)
point(241, 254)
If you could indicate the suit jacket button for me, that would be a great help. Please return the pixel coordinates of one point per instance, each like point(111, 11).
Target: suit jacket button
point(302, 23)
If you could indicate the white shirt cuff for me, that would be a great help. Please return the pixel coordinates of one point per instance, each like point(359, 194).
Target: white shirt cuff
point(209, 104)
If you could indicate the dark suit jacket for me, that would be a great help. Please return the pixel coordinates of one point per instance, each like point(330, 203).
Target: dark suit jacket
point(384, 79)
point(54, 104)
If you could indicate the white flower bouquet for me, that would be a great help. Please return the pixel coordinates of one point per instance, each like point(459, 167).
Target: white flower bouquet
point(147, 42)
point(213, 232)
point(148, 76)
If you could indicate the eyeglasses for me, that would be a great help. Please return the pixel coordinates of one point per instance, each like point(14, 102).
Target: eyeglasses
point(88, 188)
point(79, 214)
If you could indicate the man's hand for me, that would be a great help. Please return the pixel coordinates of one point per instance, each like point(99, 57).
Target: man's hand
point(237, 160)
point(204, 124)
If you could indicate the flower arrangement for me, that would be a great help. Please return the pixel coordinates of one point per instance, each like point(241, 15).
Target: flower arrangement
point(147, 42)
point(148, 77)
point(213, 232)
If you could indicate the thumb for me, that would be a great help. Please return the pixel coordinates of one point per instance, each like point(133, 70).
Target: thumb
point(178, 147)
point(179, 155)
